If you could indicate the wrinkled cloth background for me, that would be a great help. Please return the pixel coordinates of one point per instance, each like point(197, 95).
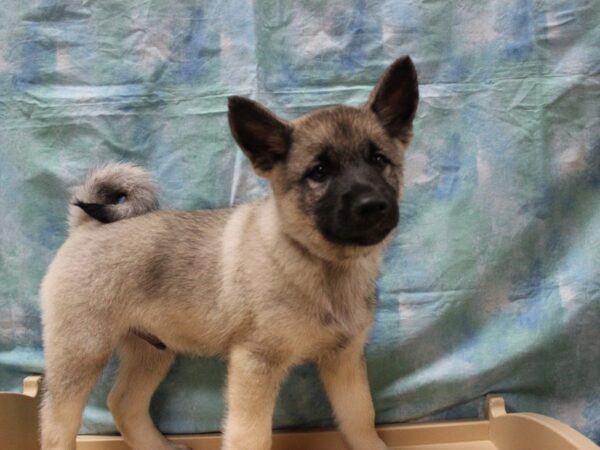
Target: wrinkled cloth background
point(492, 284)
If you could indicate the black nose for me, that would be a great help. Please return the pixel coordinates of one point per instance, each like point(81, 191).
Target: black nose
point(369, 208)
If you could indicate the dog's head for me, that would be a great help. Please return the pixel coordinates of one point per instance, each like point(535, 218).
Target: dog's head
point(335, 172)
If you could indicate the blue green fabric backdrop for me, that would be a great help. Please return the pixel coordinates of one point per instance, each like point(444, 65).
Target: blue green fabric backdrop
point(493, 282)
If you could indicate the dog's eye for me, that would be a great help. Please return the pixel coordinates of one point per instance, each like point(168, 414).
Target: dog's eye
point(376, 157)
point(318, 173)
point(379, 159)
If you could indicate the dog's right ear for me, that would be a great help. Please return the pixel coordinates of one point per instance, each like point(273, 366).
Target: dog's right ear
point(263, 137)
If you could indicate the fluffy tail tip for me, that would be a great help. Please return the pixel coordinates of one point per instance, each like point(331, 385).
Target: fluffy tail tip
point(112, 192)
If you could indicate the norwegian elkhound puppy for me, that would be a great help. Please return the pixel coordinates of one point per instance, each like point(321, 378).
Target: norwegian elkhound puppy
point(269, 285)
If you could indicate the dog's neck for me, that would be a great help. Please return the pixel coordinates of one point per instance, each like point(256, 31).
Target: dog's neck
point(343, 282)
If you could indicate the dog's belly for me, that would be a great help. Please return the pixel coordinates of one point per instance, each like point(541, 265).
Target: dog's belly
point(194, 325)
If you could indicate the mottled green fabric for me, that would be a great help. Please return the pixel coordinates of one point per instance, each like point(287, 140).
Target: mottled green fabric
point(492, 284)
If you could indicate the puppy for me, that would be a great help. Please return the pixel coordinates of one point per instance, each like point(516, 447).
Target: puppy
point(268, 285)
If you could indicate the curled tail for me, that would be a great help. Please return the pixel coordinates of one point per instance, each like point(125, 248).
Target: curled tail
point(113, 192)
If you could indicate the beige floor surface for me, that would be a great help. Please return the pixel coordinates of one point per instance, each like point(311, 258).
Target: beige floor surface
point(499, 431)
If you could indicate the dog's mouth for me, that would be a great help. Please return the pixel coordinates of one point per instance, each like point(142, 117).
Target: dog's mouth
point(349, 233)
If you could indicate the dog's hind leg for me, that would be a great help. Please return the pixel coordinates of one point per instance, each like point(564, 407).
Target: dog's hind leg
point(72, 368)
point(142, 368)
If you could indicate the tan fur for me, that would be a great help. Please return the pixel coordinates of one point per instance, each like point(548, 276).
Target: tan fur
point(257, 283)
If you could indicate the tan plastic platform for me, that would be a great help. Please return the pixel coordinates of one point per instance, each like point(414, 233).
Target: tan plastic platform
point(500, 431)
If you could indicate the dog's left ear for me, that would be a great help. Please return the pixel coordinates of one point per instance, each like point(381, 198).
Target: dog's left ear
point(395, 97)
point(264, 138)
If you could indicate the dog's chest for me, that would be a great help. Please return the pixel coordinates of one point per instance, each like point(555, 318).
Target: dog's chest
point(330, 319)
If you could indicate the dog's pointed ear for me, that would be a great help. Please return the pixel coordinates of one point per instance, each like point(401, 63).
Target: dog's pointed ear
point(395, 97)
point(263, 137)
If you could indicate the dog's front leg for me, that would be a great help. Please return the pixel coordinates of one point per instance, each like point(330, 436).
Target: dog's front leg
point(253, 384)
point(344, 376)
